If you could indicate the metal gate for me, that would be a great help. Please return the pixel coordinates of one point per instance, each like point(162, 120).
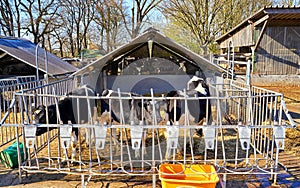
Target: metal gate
point(243, 135)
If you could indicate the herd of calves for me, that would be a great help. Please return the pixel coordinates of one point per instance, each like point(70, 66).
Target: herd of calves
point(132, 110)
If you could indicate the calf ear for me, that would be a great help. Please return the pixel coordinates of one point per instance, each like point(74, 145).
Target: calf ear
point(105, 92)
point(146, 103)
point(38, 109)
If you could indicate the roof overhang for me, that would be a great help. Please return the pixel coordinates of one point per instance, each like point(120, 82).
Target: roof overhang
point(155, 37)
point(27, 52)
point(276, 16)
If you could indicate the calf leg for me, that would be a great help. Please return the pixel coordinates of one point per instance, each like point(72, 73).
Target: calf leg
point(144, 141)
point(137, 151)
point(114, 136)
point(199, 131)
point(169, 150)
point(105, 119)
point(74, 141)
point(89, 136)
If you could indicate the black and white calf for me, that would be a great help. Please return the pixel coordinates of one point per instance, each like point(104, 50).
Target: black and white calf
point(198, 109)
point(134, 111)
point(74, 110)
point(120, 109)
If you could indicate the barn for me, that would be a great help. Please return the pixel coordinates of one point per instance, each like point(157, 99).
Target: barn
point(270, 39)
point(151, 60)
point(21, 57)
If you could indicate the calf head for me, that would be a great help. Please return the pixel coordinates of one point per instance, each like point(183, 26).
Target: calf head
point(202, 88)
point(40, 114)
point(143, 111)
point(40, 118)
point(157, 107)
point(198, 84)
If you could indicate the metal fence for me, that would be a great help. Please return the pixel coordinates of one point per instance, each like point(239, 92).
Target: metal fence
point(8, 87)
point(14, 108)
point(243, 134)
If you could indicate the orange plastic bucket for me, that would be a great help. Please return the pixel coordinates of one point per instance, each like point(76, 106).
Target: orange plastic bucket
point(189, 176)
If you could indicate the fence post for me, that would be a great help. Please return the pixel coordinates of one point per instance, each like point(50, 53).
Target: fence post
point(248, 72)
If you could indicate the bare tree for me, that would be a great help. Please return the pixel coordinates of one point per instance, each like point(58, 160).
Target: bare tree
point(69, 26)
point(38, 17)
point(88, 17)
point(6, 21)
point(206, 19)
point(109, 20)
point(80, 14)
point(17, 17)
point(138, 15)
point(235, 11)
point(197, 16)
point(10, 18)
point(60, 41)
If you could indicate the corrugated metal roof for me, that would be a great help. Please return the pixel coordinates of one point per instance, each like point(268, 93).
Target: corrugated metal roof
point(25, 51)
point(155, 36)
point(276, 16)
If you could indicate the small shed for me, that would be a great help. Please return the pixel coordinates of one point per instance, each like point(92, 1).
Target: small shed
point(270, 38)
point(18, 57)
point(151, 60)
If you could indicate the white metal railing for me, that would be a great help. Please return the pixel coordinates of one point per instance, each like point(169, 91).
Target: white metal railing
point(8, 87)
point(10, 105)
point(243, 134)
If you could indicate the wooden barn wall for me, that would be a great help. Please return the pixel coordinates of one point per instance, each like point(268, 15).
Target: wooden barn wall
point(244, 37)
point(278, 52)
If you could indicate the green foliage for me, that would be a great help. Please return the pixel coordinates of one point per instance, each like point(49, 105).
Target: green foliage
point(176, 32)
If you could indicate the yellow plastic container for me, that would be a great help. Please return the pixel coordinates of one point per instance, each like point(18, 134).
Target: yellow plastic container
point(189, 176)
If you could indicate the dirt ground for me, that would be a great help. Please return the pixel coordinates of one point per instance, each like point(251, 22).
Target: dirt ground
point(10, 178)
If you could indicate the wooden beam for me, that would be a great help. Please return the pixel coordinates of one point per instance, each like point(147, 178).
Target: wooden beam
point(261, 35)
point(2, 55)
point(263, 19)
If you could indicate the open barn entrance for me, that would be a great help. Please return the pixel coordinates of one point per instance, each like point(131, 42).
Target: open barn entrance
point(157, 84)
point(150, 65)
point(162, 75)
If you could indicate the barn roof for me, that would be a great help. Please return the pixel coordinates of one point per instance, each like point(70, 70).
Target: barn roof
point(150, 35)
point(276, 16)
point(23, 50)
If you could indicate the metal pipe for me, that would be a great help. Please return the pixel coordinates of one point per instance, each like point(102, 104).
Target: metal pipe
point(248, 72)
point(232, 70)
point(36, 61)
point(228, 59)
point(46, 65)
